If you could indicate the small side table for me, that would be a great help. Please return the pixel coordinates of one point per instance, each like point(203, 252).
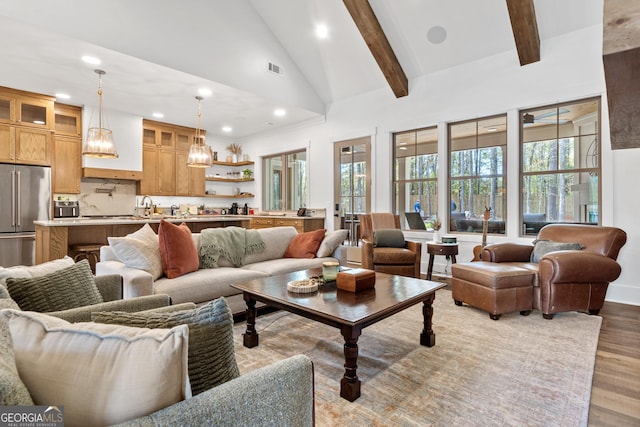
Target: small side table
point(433, 249)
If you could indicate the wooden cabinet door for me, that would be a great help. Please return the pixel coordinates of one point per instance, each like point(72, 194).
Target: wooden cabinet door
point(183, 140)
point(67, 167)
point(183, 172)
point(68, 120)
point(166, 172)
point(197, 181)
point(33, 146)
point(148, 183)
point(7, 143)
point(36, 112)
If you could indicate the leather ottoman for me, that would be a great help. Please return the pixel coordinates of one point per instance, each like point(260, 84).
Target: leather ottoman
point(493, 287)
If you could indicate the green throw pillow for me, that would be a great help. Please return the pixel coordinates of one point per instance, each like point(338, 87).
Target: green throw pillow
point(13, 392)
point(63, 289)
point(543, 247)
point(211, 359)
point(388, 238)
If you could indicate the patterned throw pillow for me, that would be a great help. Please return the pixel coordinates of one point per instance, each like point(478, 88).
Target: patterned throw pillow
point(70, 287)
point(305, 245)
point(212, 359)
point(543, 247)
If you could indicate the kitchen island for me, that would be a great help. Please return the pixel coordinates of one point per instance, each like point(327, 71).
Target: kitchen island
point(54, 238)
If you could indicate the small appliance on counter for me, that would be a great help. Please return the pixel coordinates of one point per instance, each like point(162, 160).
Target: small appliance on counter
point(69, 209)
point(234, 209)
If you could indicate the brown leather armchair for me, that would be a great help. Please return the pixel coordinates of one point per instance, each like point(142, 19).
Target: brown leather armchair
point(401, 261)
point(566, 280)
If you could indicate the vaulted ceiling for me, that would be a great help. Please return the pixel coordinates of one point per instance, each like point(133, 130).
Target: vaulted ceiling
point(157, 53)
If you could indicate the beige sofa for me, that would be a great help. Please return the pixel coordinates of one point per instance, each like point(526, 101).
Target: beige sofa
point(207, 284)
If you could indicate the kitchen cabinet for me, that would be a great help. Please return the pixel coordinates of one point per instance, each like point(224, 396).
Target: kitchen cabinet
point(189, 181)
point(158, 172)
point(26, 125)
point(155, 134)
point(68, 120)
point(67, 149)
point(301, 224)
point(25, 146)
point(165, 149)
point(67, 168)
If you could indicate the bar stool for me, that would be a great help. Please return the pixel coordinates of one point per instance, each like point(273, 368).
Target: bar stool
point(89, 251)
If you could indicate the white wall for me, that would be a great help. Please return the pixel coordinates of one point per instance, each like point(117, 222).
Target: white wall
point(570, 69)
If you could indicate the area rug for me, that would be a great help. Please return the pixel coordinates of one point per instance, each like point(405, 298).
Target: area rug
point(517, 371)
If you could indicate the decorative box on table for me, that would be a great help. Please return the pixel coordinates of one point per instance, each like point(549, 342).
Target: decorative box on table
point(356, 279)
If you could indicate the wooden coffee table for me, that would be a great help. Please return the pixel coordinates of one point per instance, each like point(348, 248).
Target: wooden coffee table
point(348, 311)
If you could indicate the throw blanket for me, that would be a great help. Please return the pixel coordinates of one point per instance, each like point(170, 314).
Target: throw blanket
point(232, 243)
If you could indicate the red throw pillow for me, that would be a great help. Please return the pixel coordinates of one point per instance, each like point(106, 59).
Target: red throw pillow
point(305, 245)
point(178, 252)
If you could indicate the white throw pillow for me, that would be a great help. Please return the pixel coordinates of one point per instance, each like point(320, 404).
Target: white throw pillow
point(331, 241)
point(139, 250)
point(25, 272)
point(102, 374)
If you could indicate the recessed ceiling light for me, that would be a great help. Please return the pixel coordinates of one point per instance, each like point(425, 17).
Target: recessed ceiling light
point(62, 96)
point(157, 115)
point(227, 128)
point(322, 31)
point(279, 112)
point(91, 60)
point(437, 34)
point(205, 91)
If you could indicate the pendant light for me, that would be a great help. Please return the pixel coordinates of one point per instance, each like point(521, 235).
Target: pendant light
point(199, 153)
point(99, 141)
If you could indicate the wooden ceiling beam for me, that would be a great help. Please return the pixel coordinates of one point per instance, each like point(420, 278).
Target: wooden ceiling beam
point(376, 40)
point(525, 30)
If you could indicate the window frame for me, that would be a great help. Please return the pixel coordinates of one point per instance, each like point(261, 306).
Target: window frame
point(497, 224)
point(285, 185)
point(397, 181)
point(522, 227)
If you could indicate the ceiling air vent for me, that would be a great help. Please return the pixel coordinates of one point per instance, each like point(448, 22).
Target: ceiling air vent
point(274, 68)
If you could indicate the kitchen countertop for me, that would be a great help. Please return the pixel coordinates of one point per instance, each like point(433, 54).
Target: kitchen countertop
point(66, 222)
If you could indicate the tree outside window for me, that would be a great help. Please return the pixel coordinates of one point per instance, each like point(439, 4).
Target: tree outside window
point(477, 180)
point(560, 166)
point(415, 173)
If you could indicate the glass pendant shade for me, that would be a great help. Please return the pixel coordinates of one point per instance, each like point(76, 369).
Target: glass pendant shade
point(99, 140)
point(200, 154)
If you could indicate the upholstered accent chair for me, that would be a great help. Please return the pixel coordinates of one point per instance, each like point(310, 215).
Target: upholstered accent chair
point(387, 251)
point(568, 268)
point(56, 284)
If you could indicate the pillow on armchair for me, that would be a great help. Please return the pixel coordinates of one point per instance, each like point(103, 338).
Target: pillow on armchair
point(86, 366)
point(70, 287)
point(211, 355)
point(388, 238)
point(543, 247)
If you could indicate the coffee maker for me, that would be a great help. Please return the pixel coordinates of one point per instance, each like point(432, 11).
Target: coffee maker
point(233, 210)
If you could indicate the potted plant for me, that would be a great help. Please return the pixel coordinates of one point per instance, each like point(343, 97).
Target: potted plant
point(247, 173)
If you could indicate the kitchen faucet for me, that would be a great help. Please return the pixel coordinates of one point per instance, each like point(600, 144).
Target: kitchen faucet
point(148, 206)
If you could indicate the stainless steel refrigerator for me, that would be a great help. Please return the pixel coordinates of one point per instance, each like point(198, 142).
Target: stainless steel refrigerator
point(25, 196)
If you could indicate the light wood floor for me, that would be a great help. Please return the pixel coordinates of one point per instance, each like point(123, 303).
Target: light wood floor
point(615, 393)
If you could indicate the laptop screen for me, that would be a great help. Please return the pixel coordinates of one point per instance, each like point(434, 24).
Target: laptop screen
point(415, 221)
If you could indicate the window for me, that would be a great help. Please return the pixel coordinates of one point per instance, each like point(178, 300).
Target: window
point(415, 174)
point(560, 167)
point(285, 181)
point(353, 181)
point(477, 179)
